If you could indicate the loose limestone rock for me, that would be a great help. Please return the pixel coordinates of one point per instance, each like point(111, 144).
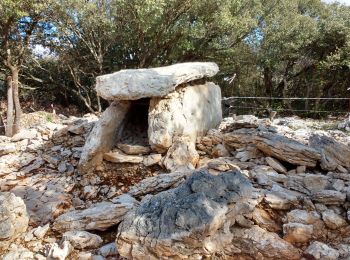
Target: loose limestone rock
point(118, 157)
point(56, 252)
point(276, 165)
point(158, 183)
point(82, 239)
point(134, 84)
point(329, 197)
point(280, 200)
point(13, 218)
point(264, 220)
point(152, 159)
point(6, 148)
point(303, 217)
point(297, 232)
point(287, 149)
point(186, 222)
point(333, 153)
point(134, 149)
point(321, 251)
point(256, 242)
point(18, 252)
point(99, 216)
point(182, 155)
point(333, 220)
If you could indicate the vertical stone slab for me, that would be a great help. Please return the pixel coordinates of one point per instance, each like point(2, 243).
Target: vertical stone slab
point(103, 135)
point(190, 111)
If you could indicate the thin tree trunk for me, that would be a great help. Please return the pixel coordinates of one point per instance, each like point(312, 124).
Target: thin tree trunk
point(308, 89)
point(10, 119)
point(99, 107)
point(285, 95)
point(18, 110)
point(2, 129)
point(268, 83)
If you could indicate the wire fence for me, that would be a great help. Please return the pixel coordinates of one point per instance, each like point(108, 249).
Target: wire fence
point(276, 108)
point(284, 98)
point(278, 104)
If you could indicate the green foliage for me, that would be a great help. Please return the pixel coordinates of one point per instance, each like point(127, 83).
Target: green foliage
point(267, 47)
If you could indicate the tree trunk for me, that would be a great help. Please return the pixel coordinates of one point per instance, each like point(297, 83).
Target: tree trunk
point(10, 119)
point(2, 124)
point(268, 83)
point(286, 102)
point(18, 110)
point(308, 89)
point(99, 107)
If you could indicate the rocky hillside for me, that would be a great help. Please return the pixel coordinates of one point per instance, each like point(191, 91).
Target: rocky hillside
point(260, 190)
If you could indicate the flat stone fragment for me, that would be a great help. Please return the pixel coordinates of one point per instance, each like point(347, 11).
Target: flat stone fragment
point(134, 149)
point(303, 216)
point(280, 200)
point(329, 197)
point(332, 152)
point(117, 157)
point(321, 251)
point(82, 239)
point(287, 149)
point(24, 134)
point(264, 220)
point(134, 84)
point(333, 220)
point(297, 232)
point(257, 241)
point(6, 148)
point(158, 183)
point(108, 250)
point(99, 216)
point(152, 159)
point(276, 165)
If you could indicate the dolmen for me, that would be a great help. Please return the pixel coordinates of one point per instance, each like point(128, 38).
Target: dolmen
point(155, 114)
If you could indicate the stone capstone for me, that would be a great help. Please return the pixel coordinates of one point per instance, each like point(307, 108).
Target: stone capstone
point(135, 84)
point(189, 221)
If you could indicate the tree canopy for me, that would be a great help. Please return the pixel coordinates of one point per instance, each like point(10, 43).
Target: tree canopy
point(280, 48)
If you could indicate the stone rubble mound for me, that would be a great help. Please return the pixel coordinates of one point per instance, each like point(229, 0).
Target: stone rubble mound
point(237, 188)
point(257, 190)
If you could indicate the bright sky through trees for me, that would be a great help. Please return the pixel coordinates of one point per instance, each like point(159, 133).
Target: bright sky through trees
point(346, 2)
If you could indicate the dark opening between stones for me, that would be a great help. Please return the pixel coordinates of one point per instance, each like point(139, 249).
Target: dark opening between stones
point(135, 127)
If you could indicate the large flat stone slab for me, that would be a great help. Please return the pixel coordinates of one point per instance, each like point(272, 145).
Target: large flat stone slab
point(134, 84)
point(190, 111)
point(103, 136)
